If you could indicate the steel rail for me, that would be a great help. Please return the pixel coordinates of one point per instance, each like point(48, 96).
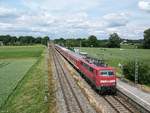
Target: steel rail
point(68, 82)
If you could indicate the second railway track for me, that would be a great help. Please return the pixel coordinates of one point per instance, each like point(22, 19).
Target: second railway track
point(120, 105)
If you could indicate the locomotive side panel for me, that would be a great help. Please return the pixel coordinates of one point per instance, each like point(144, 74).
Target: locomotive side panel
point(88, 71)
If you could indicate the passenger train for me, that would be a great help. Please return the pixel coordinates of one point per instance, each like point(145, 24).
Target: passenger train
point(101, 76)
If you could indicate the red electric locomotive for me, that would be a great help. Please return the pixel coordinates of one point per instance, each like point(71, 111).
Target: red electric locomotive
point(100, 75)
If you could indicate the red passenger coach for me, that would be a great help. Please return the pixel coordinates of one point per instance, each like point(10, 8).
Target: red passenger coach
point(101, 76)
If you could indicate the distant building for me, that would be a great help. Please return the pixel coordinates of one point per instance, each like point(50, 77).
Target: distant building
point(124, 42)
point(1, 43)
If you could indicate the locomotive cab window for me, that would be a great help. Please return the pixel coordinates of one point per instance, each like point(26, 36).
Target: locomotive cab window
point(106, 73)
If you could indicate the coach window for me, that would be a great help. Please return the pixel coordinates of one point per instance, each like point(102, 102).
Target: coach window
point(87, 67)
point(84, 65)
point(90, 69)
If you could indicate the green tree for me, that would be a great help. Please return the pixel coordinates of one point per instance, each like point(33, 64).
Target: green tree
point(92, 41)
point(84, 43)
point(24, 40)
point(38, 40)
point(60, 41)
point(146, 43)
point(45, 40)
point(114, 41)
point(13, 40)
point(6, 39)
point(143, 72)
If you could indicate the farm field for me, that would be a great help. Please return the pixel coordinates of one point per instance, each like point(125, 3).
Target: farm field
point(114, 56)
point(15, 62)
point(29, 97)
point(20, 51)
point(11, 72)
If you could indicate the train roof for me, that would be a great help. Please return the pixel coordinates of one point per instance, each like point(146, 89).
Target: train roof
point(70, 52)
point(83, 59)
point(97, 67)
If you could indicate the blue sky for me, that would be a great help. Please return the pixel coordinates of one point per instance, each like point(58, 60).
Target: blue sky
point(75, 18)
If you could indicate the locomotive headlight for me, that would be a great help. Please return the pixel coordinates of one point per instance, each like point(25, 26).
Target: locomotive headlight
point(103, 81)
point(107, 81)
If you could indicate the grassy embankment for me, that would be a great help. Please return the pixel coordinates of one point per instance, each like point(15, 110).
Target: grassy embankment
point(23, 80)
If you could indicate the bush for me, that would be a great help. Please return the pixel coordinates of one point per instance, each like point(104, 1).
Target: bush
point(143, 72)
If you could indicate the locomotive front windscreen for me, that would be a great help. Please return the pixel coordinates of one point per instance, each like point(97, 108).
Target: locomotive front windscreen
point(106, 73)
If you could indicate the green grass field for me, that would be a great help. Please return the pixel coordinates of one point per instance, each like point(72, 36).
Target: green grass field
point(30, 93)
point(20, 51)
point(114, 56)
point(11, 72)
point(15, 62)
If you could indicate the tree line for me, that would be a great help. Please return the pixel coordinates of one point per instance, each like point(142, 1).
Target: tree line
point(23, 40)
point(91, 41)
point(114, 41)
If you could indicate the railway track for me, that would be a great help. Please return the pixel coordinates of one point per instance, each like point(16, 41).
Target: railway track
point(119, 104)
point(71, 100)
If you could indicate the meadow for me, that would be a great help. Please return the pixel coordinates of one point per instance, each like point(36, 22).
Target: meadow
point(114, 56)
point(11, 72)
point(20, 51)
point(29, 95)
point(15, 62)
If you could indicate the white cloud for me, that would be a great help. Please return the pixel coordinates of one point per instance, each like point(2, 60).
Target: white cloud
point(5, 26)
point(43, 22)
point(41, 19)
point(72, 24)
point(61, 5)
point(144, 5)
point(133, 30)
point(5, 11)
point(117, 19)
point(66, 18)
